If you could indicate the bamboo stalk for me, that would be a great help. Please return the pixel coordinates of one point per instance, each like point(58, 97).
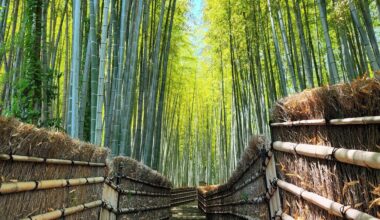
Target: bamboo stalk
point(332, 207)
point(20, 158)
point(355, 157)
point(343, 121)
point(66, 211)
point(6, 188)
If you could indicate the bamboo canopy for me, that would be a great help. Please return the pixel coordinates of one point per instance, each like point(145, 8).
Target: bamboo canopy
point(6, 188)
point(20, 158)
point(66, 211)
point(355, 157)
point(343, 121)
point(332, 207)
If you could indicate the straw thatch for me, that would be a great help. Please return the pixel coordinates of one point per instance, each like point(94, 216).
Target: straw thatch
point(346, 184)
point(22, 139)
point(243, 193)
point(129, 174)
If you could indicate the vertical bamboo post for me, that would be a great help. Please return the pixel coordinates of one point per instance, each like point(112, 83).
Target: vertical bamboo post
point(271, 174)
point(111, 196)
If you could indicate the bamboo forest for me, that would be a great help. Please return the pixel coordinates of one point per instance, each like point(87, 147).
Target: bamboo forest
point(182, 86)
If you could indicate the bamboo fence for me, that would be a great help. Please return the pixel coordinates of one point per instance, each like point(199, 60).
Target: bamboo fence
point(142, 192)
point(244, 195)
point(326, 144)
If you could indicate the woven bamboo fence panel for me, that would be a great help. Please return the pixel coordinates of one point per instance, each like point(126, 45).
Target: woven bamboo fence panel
point(47, 175)
point(183, 195)
point(142, 192)
point(326, 141)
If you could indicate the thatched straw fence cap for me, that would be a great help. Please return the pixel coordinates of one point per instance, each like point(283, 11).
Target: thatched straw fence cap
point(129, 167)
point(250, 155)
point(357, 99)
point(204, 190)
point(24, 139)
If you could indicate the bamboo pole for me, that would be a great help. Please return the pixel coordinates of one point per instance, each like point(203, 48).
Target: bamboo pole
point(20, 158)
point(238, 187)
point(299, 123)
point(6, 188)
point(66, 211)
point(332, 207)
point(283, 216)
point(134, 192)
point(143, 209)
point(343, 121)
point(255, 200)
point(110, 198)
point(184, 197)
point(355, 157)
point(143, 182)
point(182, 202)
point(183, 193)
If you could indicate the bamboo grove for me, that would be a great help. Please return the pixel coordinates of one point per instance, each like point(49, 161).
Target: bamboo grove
point(93, 68)
point(180, 85)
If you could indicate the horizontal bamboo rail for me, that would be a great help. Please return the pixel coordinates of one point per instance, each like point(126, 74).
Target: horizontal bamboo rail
point(134, 192)
point(279, 215)
point(344, 121)
point(142, 182)
point(182, 202)
point(108, 206)
point(332, 207)
point(142, 209)
point(255, 200)
point(6, 188)
point(183, 192)
point(355, 157)
point(253, 161)
point(248, 181)
point(20, 158)
point(66, 211)
point(238, 187)
point(184, 197)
